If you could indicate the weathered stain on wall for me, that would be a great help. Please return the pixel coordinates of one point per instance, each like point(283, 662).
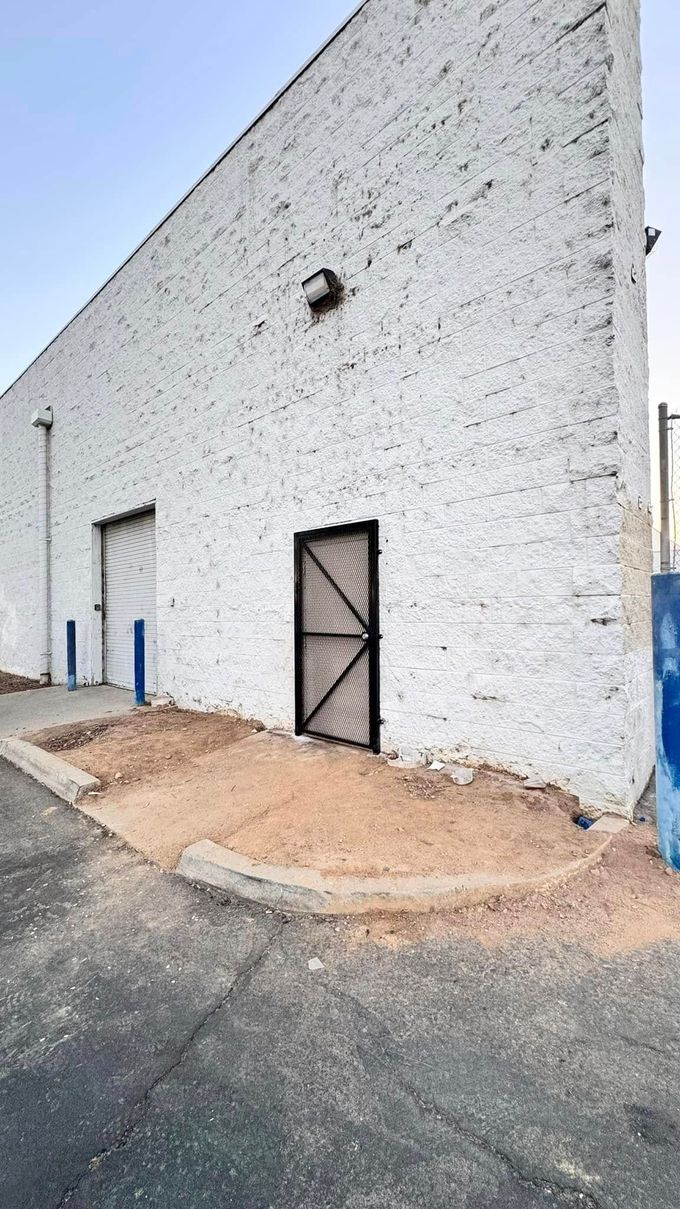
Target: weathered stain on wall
point(471, 172)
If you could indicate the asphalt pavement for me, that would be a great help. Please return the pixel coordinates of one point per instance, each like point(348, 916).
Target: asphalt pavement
point(162, 1047)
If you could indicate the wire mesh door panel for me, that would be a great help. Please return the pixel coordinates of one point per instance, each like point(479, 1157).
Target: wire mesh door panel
point(336, 634)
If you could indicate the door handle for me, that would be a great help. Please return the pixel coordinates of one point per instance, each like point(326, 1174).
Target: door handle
point(364, 637)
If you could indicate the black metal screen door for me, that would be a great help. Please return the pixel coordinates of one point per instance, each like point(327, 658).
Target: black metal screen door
point(337, 661)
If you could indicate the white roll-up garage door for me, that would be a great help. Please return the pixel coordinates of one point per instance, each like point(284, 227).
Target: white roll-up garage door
point(129, 558)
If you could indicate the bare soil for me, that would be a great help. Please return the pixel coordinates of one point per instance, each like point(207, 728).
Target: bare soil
point(9, 683)
point(143, 745)
point(171, 778)
point(629, 900)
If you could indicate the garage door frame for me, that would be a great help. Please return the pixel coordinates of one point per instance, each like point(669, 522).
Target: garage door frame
point(98, 629)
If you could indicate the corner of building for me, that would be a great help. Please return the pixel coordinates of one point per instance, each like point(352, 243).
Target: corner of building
point(630, 358)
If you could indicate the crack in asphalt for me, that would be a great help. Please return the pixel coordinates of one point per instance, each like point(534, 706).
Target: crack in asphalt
point(140, 1107)
point(567, 1193)
point(667, 1051)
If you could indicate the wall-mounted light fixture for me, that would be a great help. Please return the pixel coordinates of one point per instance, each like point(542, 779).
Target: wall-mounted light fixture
point(651, 236)
point(42, 418)
point(322, 289)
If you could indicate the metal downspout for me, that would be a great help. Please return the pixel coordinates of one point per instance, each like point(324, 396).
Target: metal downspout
point(42, 420)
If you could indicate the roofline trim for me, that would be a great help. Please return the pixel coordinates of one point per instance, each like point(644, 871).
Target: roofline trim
point(161, 223)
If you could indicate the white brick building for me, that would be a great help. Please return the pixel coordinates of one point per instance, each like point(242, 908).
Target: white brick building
point(472, 171)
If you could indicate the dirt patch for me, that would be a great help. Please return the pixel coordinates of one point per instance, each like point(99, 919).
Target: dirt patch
point(173, 778)
point(143, 745)
point(9, 683)
point(629, 900)
point(345, 812)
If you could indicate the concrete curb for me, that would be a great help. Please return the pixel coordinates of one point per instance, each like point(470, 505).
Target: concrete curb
point(65, 780)
point(308, 892)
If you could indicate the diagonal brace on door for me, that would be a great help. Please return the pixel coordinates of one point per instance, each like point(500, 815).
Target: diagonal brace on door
point(362, 651)
point(349, 711)
point(341, 594)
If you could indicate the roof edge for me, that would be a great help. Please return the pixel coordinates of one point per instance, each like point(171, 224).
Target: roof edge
point(239, 137)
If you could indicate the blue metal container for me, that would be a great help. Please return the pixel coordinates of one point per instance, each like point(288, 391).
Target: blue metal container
point(666, 640)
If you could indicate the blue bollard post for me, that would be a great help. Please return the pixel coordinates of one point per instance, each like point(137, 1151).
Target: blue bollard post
point(140, 695)
point(666, 643)
point(71, 655)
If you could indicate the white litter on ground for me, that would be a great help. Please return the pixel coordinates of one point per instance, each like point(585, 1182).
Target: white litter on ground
point(459, 775)
point(315, 964)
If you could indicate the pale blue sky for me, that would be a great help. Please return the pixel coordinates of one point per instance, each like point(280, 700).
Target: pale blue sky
point(110, 111)
point(661, 94)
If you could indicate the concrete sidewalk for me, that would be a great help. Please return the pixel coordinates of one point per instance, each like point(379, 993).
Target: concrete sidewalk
point(37, 708)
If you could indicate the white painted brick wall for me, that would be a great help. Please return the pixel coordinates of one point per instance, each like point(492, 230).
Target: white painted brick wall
point(470, 168)
point(19, 634)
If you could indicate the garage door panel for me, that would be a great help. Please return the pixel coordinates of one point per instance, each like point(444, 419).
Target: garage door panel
point(129, 593)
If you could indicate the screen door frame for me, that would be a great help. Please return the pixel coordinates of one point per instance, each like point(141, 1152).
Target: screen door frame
point(370, 529)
